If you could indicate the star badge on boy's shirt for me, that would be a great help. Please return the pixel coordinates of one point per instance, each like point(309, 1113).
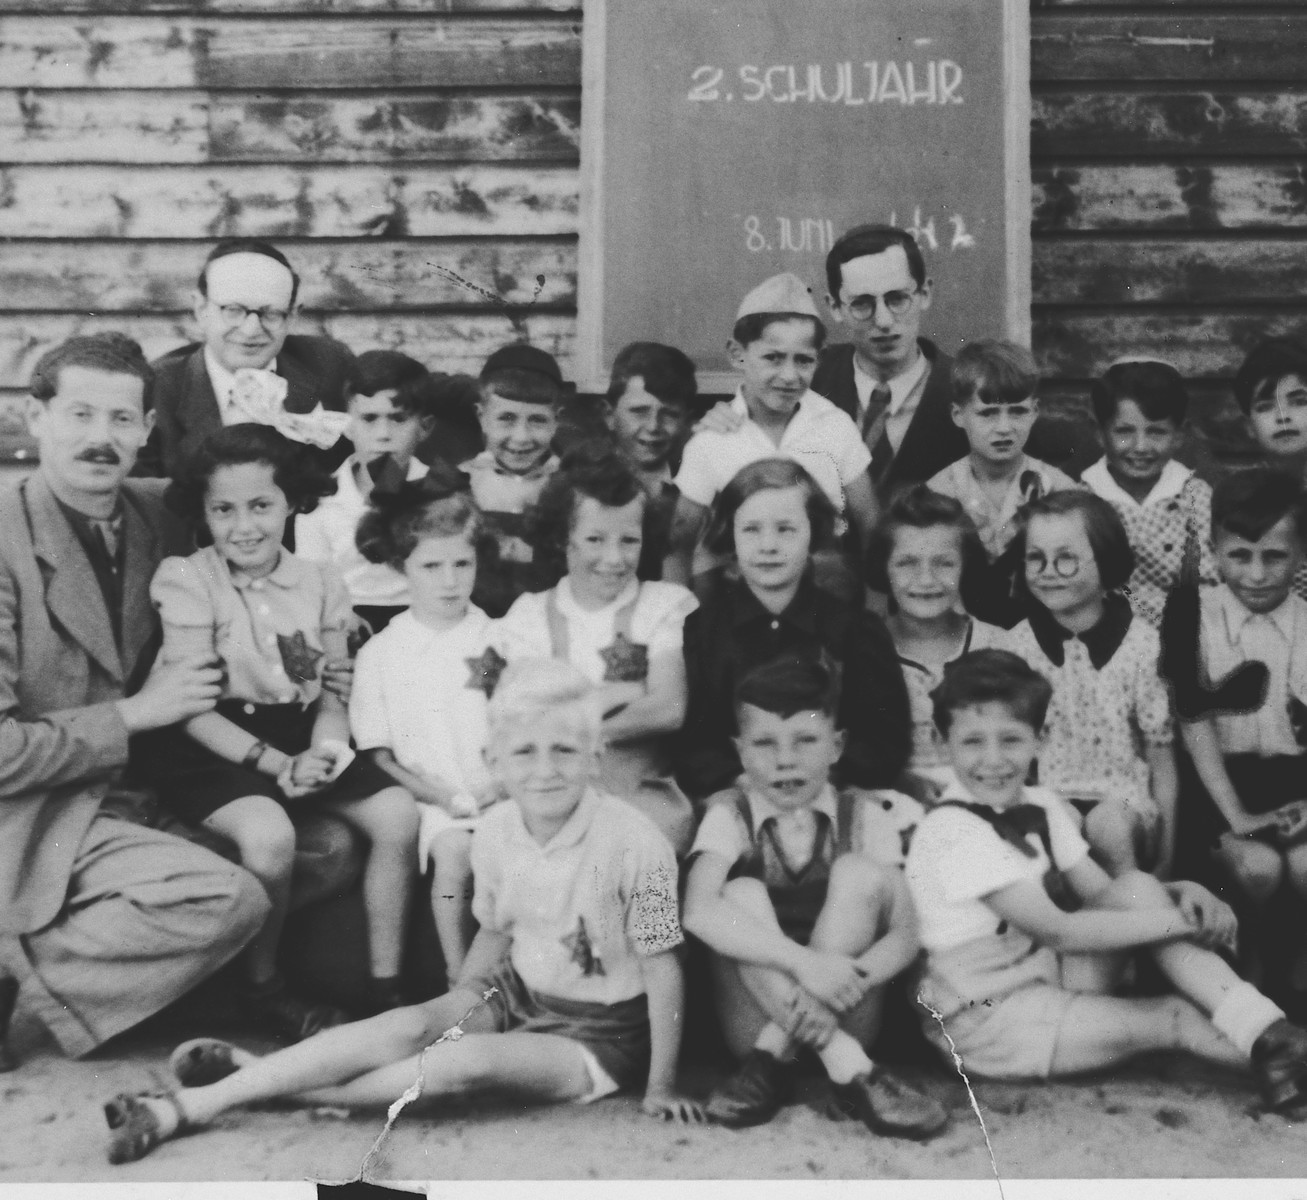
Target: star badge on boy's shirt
point(485, 670)
point(583, 952)
point(625, 661)
point(298, 657)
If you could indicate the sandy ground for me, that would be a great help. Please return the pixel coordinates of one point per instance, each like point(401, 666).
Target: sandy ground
point(1160, 1118)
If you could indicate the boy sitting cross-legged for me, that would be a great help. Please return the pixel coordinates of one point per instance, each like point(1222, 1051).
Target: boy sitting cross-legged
point(797, 892)
point(1016, 987)
point(571, 991)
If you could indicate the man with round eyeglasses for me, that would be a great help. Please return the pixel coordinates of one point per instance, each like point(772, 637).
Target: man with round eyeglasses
point(890, 380)
point(244, 303)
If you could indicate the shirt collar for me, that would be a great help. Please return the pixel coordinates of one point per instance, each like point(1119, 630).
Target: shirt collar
point(901, 386)
point(1102, 639)
point(574, 828)
point(486, 461)
point(801, 612)
point(740, 405)
point(1237, 616)
point(762, 808)
point(1169, 484)
point(224, 380)
point(289, 573)
point(347, 473)
point(568, 606)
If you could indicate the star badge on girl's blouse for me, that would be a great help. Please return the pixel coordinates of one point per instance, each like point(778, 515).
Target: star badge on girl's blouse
point(298, 657)
point(485, 670)
point(625, 661)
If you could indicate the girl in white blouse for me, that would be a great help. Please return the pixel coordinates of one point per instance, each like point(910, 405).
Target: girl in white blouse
point(624, 634)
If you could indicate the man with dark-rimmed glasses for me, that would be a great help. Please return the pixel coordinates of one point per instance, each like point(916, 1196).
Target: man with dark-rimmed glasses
point(890, 380)
point(244, 303)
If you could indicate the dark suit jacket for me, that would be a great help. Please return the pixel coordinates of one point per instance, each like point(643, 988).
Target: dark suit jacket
point(62, 741)
point(932, 440)
point(186, 410)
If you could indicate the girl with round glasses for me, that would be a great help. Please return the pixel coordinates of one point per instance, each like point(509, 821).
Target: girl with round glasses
point(1108, 745)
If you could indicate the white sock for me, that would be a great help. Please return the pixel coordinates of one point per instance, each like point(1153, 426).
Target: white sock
point(773, 1040)
point(843, 1058)
point(1244, 1015)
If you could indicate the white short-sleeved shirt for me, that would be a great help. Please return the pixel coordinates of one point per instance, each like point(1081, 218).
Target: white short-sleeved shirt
point(998, 526)
point(586, 907)
point(268, 632)
point(923, 678)
point(820, 437)
point(1101, 721)
point(883, 821)
point(657, 622)
point(421, 694)
point(1230, 635)
point(957, 859)
point(1178, 506)
point(326, 535)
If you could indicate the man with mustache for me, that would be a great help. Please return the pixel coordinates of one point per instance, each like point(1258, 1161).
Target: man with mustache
point(244, 302)
point(103, 919)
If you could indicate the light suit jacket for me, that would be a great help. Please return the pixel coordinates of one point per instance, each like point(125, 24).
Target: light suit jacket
point(62, 741)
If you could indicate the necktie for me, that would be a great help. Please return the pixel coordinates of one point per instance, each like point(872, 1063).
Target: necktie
point(106, 534)
point(873, 429)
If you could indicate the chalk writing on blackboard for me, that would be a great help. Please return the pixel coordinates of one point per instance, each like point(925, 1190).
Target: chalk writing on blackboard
point(937, 81)
point(816, 235)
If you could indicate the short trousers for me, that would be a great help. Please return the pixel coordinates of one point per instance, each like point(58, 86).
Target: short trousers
point(1011, 1038)
point(1002, 1003)
point(193, 782)
point(614, 1038)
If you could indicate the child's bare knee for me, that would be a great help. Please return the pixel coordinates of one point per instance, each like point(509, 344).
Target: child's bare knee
point(748, 893)
point(858, 875)
point(267, 844)
point(394, 817)
point(1257, 870)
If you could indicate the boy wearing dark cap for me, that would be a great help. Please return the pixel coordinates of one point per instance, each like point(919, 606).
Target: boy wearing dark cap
point(521, 391)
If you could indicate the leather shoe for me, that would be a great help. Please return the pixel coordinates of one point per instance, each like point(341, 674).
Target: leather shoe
point(1279, 1061)
point(276, 1011)
point(754, 1093)
point(889, 1105)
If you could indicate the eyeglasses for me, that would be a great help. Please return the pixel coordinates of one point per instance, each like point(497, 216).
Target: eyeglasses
point(271, 319)
point(898, 303)
point(1065, 564)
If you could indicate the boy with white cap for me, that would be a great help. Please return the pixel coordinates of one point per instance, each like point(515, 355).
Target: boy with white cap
point(774, 345)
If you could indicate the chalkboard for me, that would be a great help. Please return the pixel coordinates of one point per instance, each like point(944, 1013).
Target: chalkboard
point(723, 142)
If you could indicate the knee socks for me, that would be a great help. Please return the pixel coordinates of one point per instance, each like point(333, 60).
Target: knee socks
point(1244, 1015)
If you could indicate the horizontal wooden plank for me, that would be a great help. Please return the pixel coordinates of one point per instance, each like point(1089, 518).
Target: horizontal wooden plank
point(1168, 271)
point(454, 343)
point(1186, 46)
point(110, 277)
point(1135, 124)
point(1158, 197)
point(289, 7)
point(237, 52)
point(1201, 342)
point(210, 202)
point(119, 127)
point(318, 127)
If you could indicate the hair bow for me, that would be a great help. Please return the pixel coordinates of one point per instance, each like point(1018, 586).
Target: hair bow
point(260, 396)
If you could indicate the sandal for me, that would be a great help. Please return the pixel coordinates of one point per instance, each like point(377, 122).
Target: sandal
point(203, 1061)
point(134, 1129)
